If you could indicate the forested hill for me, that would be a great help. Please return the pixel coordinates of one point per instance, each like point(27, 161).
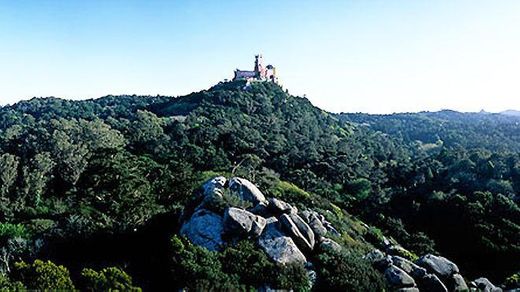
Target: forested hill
point(112, 176)
point(495, 132)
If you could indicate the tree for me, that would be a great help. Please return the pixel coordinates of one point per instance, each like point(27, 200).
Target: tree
point(36, 175)
point(8, 173)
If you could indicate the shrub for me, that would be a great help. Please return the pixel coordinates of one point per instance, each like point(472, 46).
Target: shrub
point(341, 271)
point(513, 282)
point(289, 192)
point(9, 230)
point(108, 279)
point(292, 277)
point(251, 264)
point(42, 275)
point(7, 285)
point(194, 265)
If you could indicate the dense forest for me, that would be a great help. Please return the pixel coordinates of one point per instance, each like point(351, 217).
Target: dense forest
point(92, 192)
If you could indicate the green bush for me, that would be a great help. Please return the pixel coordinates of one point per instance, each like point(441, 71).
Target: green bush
point(289, 192)
point(513, 282)
point(251, 264)
point(194, 265)
point(341, 271)
point(42, 275)
point(9, 230)
point(292, 277)
point(108, 279)
point(7, 285)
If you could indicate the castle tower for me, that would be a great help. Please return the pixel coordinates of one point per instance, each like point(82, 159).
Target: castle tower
point(259, 66)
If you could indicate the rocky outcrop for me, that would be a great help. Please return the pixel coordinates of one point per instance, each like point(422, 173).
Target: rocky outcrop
point(438, 265)
point(278, 207)
point(216, 183)
point(484, 285)
point(278, 246)
point(299, 230)
point(329, 244)
point(412, 269)
point(247, 191)
point(429, 272)
point(238, 221)
point(378, 259)
point(408, 289)
point(204, 228)
point(430, 282)
point(283, 235)
point(398, 278)
point(315, 222)
point(458, 284)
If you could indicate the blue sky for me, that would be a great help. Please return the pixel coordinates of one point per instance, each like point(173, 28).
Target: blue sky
point(370, 56)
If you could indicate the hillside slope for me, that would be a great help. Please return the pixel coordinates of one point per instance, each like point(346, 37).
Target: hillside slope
point(111, 176)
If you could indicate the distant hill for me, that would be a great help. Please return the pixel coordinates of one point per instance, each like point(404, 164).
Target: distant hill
point(511, 113)
point(451, 128)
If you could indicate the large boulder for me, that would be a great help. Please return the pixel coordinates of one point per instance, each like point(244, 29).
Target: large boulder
point(277, 206)
point(431, 283)
point(298, 230)
point(315, 222)
point(378, 259)
point(484, 285)
point(329, 244)
point(247, 191)
point(238, 221)
point(398, 278)
point(204, 228)
point(279, 247)
point(457, 283)
point(261, 209)
point(441, 266)
point(408, 289)
point(410, 268)
point(211, 185)
point(212, 192)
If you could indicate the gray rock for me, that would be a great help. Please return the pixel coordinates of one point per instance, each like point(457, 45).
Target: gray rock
point(331, 228)
point(398, 278)
point(215, 183)
point(320, 226)
point(278, 206)
point(300, 232)
point(212, 192)
point(378, 259)
point(408, 289)
point(374, 256)
point(279, 247)
point(204, 228)
point(457, 283)
point(238, 221)
point(441, 266)
point(484, 285)
point(246, 190)
point(396, 249)
point(412, 269)
point(431, 282)
point(316, 225)
point(261, 209)
point(329, 244)
point(386, 241)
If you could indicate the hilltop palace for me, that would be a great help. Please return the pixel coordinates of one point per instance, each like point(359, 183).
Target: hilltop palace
point(260, 73)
